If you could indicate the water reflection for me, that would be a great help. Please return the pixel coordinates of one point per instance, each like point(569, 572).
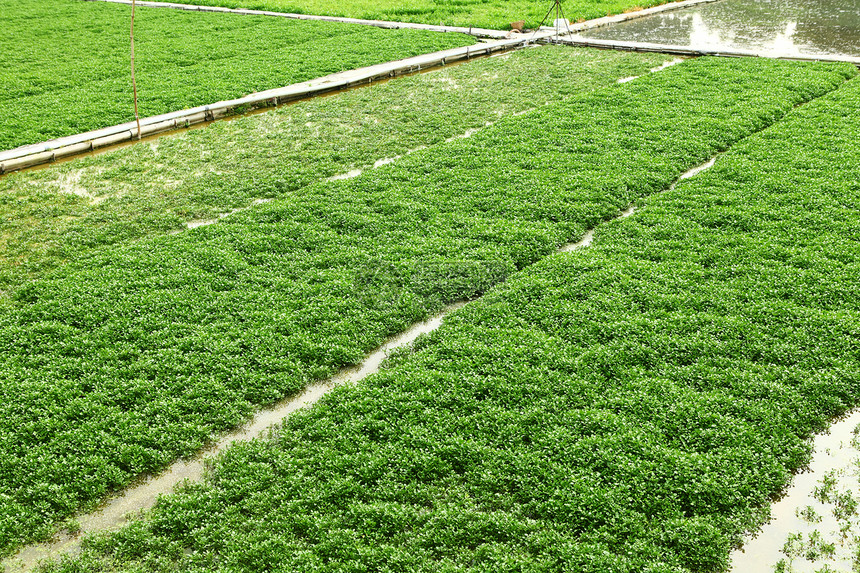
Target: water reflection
point(769, 27)
point(812, 510)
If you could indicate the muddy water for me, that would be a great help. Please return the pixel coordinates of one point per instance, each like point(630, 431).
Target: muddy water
point(117, 512)
point(770, 27)
point(661, 67)
point(836, 454)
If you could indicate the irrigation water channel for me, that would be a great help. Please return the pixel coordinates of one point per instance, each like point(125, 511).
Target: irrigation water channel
point(118, 511)
point(778, 28)
point(837, 455)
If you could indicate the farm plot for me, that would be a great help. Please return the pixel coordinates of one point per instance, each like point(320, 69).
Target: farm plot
point(632, 407)
point(495, 14)
point(66, 63)
point(68, 210)
point(121, 363)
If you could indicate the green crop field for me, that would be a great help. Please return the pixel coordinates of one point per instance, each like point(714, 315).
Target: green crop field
point(65, 63)
point(125, 360)
point(495, 14)
point(633, 407)
point(66, 211)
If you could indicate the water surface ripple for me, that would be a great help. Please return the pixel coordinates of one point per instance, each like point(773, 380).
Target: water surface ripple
point(778, 28)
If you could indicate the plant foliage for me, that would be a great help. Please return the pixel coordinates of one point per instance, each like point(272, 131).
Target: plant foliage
point(66, 69)
point(121, 363)
point(497, 14)
point(68, 210)
point(633, 407)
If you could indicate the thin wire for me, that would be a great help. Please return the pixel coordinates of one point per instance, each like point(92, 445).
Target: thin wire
point(133, 80)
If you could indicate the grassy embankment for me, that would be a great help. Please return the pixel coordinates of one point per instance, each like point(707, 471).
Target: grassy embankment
point(494, 14)
point(66, 211)
point(66, 63)
point(129, 359)
point(629, 408)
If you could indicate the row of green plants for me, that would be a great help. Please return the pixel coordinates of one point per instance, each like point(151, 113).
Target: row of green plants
point(69, 210)
point(66, 63)
point(494, 14)
point(122, 362)
point(633, 407)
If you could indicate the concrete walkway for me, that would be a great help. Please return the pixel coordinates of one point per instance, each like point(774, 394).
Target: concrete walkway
point(64, 147)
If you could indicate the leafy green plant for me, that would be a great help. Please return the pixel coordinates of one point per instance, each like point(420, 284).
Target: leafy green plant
point(629, 407)
point(66, 211)
point(809, 515)
point(826, 492)
point(474, 13)
point(602, 413)
point(65, 63)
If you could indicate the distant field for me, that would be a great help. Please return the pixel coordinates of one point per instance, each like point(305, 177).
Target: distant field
point(65, 64)
point(66, 211)
point(496, 14)
point(121, 362)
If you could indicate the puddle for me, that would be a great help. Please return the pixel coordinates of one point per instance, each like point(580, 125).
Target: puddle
point(468, 133)
point(348, 175)
point(695, 171)
point(809, 522)
point(661, 67)
point(588, 237)
point(204, 222)
point(386, 161)
point(118, 511)
point(668, 64)
point(782, 28)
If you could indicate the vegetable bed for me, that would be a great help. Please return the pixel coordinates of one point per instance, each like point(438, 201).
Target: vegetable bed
point(140, 354)
point(66, 211)
point(632, 407)
point(66, 63)
point(494, 14)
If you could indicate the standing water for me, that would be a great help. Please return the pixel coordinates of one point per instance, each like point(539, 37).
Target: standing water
point(816, 527)
point(784, 28)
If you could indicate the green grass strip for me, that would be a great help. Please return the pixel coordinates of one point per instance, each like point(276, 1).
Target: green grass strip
point(630, 408)
point(67, 211)
point(139, 355)
point(66, 63)
point(494, 14)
